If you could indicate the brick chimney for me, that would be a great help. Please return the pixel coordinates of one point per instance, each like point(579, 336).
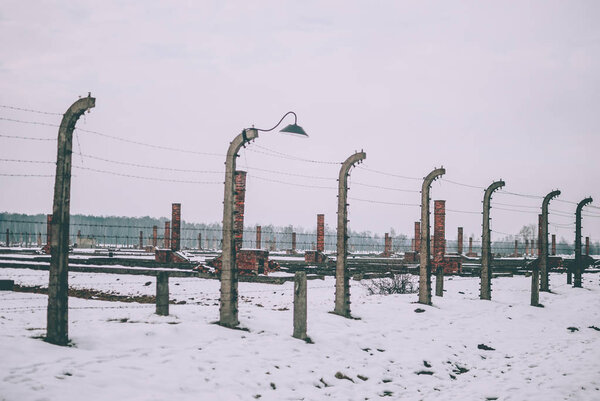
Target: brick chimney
point(387, 247)
point(553, 244)
point(439, 230)
point(320, 232)
point(176, 228)
point(460, 241)
point(239, 199)
point(417, 236)
point(587, 246)
point(293, 242)
point(258, 237)
point(167, 239)
point(154, 236)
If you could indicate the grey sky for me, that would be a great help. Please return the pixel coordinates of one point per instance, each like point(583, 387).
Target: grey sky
point(489, 90)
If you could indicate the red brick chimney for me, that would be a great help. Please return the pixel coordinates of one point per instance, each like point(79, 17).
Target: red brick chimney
point(176, 228)
point(239, 199)
point(387, 247)
point(167, 239)
point(154, 236)
point(320, 232)
point(200, 241)
point(460, 240)
point(258, 237)
point(293, 242)
point(439, 230)
point(141, 239)
point(417, 236)
point(587, 246)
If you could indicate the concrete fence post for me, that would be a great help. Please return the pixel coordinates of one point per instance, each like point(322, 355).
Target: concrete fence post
point(439, 281)
point(228, 308)
point(57, 330)
point(578, 259)
point(485, 291)
point(425, 239)
point(342, 279)
point(535, 271)
point(300, 306)
point(162, 293)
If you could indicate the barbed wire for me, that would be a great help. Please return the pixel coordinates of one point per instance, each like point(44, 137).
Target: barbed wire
point(389, 174)
point(26, 175)
point(461, 184)
point(29, 110)
point(149, 145)
point(384, 203)
point(145, 177)
point(27, 161)
point(275, 153)
point(31, 138)
point(382, 187)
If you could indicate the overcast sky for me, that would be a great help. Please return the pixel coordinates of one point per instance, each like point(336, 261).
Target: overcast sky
point(489, 90)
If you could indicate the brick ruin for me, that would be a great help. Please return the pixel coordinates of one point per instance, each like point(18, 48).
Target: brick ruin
point(387, 247)
point(172, 240)
point(176, 227)
point(248, 261)
point(167, 237)
point(451, 264)
point(317, 256)
point(471, 254)
point(413, 256)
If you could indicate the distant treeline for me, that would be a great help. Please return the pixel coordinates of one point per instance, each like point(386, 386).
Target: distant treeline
point(125, 231)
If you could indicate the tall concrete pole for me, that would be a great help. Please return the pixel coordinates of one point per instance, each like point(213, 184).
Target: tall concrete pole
point(425, 241)
point(228, 309)
point(578, 259)
point(485, 292)
point(535, 271)
point(57, 329)
point(342, 281)
point(544, 283)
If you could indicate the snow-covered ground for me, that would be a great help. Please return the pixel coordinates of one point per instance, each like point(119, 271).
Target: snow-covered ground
point(122, 351)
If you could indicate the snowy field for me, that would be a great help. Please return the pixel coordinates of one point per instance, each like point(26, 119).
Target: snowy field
point(122, 351)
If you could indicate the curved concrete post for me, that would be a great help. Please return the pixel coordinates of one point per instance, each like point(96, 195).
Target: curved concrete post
point(57, 329)
point(578, 261)
point(342, 281)
point(425, 257)
point(485, 291)
point(544, 283)
point(228, 309)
